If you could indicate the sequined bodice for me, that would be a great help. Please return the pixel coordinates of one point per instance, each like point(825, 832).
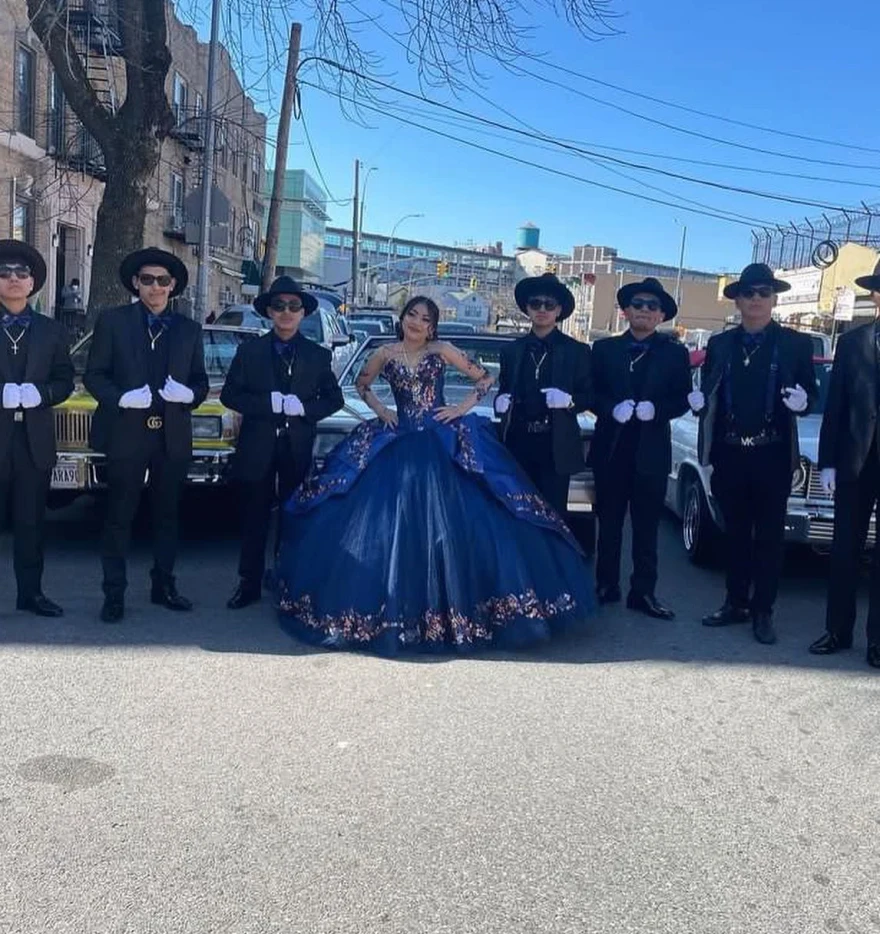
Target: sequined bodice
point(418, 392)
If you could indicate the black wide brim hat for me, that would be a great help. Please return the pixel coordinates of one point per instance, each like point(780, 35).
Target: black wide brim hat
point(284, 285)
point(153, 256)
point(871, 283)
point(25, 254)
point(755, 274)
point(651, 287)
point(548, 285)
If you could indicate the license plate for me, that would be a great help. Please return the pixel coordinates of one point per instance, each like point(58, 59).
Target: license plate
point(66, 477)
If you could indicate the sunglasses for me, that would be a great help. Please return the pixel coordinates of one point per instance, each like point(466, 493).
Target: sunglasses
point(278, 304)
point(763, 290)
point(649, 304)
point(19, 272)
point(536, 304)
point(148, 279)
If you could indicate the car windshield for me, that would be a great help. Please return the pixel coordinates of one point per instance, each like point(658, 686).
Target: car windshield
point(823, 377)
point(310, 327)
point(220, 347)
point(232, 318)
point(486, 352)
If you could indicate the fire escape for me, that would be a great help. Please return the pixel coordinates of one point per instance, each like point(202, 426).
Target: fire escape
point(93, 26)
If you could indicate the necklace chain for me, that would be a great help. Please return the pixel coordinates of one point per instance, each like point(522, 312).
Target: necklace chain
point(15, 341)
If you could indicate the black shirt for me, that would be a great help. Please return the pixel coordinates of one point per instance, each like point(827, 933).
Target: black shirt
point(639, 360)
point(16, 336)
point(158, 332)
point(534, 375)
point(749, 388)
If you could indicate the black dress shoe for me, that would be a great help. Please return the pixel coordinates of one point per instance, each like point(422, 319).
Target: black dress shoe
point(829, 643)
point(727, 615)
point(164, 593)
point(40, 605)
point(245, 594)
point(649, 605)
point(762, 627)
point(873, 656)
point(608, 595)
point(113, 610)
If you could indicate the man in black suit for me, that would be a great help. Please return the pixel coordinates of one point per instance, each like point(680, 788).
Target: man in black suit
point(849, 458)
point(544, 381)
point(282, 385)
point(35, 374)
point(641, 381)
point(757, 378)
point(146, 369)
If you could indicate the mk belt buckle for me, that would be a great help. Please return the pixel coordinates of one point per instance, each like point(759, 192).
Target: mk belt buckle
point(748, 441)
point(537, 428)
point(154, 422)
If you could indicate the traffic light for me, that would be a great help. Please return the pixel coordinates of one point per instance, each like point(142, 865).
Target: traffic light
point(473, 283)
point(439, 269)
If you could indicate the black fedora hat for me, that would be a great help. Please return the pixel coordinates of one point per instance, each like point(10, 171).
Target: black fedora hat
point(153, 256)
point(871, 283)
point(284, 285)
point(24, 253)
point(755, 274)
point(546, 284)
point(652, 287)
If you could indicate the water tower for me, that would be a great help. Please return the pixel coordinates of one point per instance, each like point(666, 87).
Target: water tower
point(528, 237)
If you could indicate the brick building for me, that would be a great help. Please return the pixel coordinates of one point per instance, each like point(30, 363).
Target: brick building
point(52, 172)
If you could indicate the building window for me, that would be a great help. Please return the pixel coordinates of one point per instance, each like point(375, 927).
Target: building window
point(333, 239)
point(178, 98)
point(255, 172)
point(25, 68)
point(233, 243)
point(199, 105)
point(23, 221)
point(369, 246)
point(234, 154)
point(348, 243)
point(55, 126)
point(176, 200)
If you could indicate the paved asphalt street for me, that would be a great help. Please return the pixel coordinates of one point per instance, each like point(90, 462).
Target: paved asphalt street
point(203, 773)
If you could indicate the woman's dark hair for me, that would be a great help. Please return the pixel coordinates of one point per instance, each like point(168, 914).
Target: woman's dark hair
point(433, 311)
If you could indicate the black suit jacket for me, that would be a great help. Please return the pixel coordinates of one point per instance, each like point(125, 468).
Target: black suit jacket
point(849, 425)
point(248, 389)
point(667, 383)
point(795, 368)
point(570, 371)
point(49, 368)
point(118, 362)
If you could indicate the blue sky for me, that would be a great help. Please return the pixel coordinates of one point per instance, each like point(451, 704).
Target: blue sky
point(804, 68)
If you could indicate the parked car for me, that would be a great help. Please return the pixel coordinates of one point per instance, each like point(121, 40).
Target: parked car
point(810, 517)
point(388, 319)
point(484, 349)
point(242, 316)
point(370, 328)
point(452, 329)
point(215, 428)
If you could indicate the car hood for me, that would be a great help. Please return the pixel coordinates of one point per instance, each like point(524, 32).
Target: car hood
point(808, 436)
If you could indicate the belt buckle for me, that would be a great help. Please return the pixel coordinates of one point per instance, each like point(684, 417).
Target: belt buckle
point(748, 441)
point(154, 422)
point(18, 417)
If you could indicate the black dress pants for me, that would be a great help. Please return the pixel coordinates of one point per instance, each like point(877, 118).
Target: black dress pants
point(165, 477)
point(618, 488)
point(853, 503)
point(534, 453)
point(286, 472)
point(23, 493)
point(752, 486)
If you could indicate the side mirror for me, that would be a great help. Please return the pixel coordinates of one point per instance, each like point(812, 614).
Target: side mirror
point(352, 339)
point(339, 340)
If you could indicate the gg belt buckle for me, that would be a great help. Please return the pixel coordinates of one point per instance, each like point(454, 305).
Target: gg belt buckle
point(154, 422)
point(18, 417)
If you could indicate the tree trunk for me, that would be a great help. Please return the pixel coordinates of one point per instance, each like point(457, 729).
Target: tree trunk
point(121, 216)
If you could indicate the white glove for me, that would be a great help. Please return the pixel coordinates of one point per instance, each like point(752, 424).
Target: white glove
point(502, 402)
point(137, 398)
point(292, 406)
point(11, 395)
point(277, 403)
point(645, 411)
point(30, 396)
point(828, 476)
point(795, 399)
point(556, 398)
point(696, 400)
point(173, 391)
point(623, 411)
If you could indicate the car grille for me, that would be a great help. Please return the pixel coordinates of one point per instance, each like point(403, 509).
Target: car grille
point(72, 429)
point(814, 486)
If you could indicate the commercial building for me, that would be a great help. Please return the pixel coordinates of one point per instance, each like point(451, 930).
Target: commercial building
point(302, 226)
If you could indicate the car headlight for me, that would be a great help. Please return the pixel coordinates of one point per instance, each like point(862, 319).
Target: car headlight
point(799, 478)
point(207, 427)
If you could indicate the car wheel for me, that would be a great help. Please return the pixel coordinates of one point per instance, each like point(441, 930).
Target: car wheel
point(698, 531)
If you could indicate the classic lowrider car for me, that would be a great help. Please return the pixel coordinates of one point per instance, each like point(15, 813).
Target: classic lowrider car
point(215, 428)
point(810, 517)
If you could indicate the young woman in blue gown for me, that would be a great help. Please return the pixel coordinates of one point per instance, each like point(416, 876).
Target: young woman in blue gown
point(421, 532)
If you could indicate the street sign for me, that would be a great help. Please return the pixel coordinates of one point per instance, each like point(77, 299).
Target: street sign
point(844, 304)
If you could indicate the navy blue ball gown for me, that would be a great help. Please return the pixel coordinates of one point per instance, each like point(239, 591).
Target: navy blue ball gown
point(427, 537)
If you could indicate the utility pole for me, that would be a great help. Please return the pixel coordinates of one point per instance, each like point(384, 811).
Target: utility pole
point(273, 223)
point(355, 236)
point(684, 232)
point(202, 302)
